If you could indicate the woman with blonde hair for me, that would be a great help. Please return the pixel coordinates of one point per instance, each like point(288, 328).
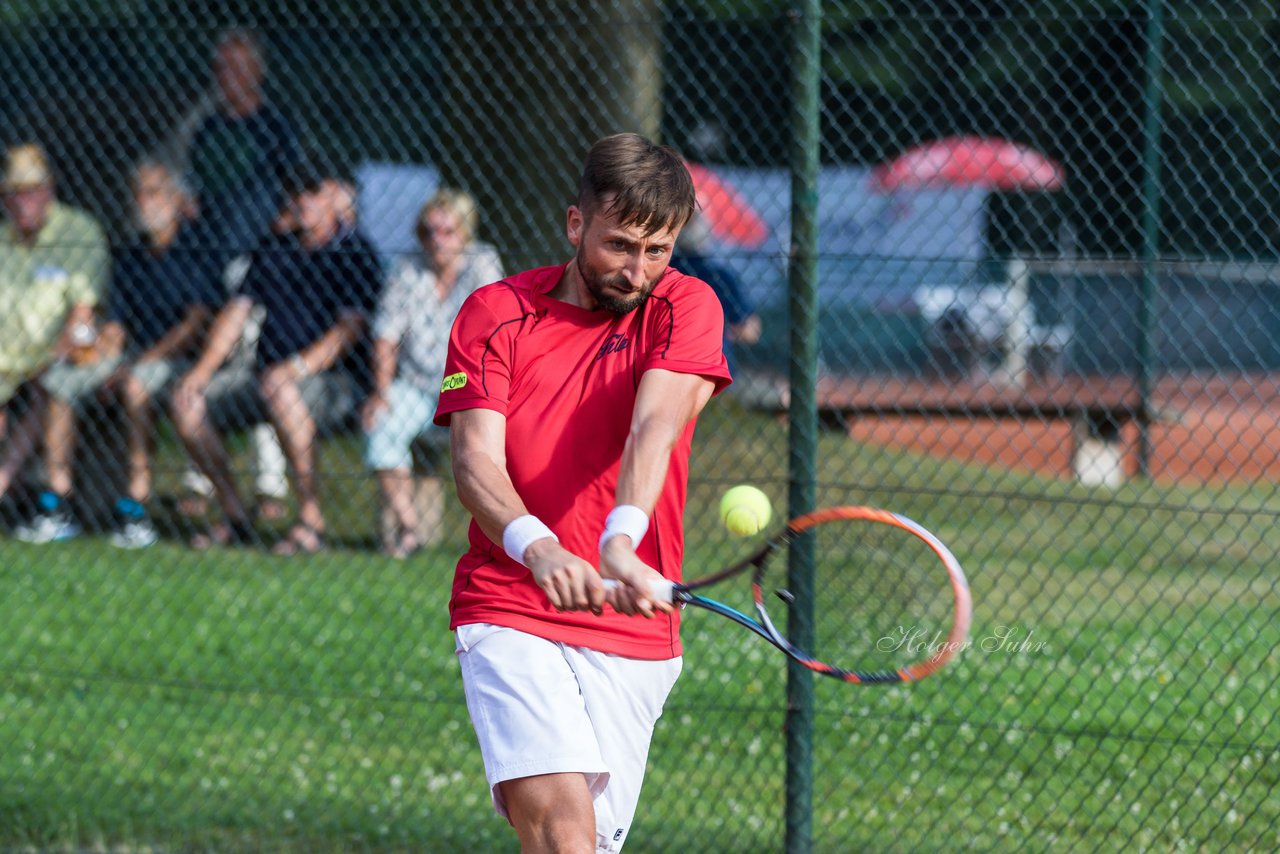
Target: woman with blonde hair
point(411, 338)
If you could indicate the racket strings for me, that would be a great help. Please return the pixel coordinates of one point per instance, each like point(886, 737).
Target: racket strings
point(881, 597)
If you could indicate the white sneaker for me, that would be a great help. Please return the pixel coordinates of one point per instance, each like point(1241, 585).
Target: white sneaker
point(134, 535)
point(134, 529)
point(53, 524)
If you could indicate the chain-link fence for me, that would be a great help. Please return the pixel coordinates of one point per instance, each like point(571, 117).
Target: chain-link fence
point(1049, 330)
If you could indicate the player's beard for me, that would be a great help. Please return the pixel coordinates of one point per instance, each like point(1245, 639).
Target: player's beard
point(597, 283)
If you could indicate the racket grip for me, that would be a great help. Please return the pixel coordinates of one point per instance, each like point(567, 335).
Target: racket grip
point(663, 591)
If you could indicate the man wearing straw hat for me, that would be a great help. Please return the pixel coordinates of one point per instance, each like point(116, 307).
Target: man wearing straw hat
point(53, 263)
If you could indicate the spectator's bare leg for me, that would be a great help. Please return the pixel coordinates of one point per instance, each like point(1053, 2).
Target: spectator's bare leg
point(59, 444)
point(397, 492)
point(210, 455)
point(23, 434)
point(414, 511)
point(297, 431)
point(430, 505)
point(137, 405)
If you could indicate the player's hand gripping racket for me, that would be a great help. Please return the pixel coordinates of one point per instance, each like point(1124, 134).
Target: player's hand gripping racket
point(890, 601)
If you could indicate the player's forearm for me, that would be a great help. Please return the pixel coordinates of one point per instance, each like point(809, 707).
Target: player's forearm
point(665, 405)
point(486, 490)
point(477, 439)
point(645, 461)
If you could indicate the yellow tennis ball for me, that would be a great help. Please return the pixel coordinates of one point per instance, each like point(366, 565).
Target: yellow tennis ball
point(745, 510)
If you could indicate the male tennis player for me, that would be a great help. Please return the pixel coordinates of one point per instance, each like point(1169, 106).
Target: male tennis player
point(572, 393)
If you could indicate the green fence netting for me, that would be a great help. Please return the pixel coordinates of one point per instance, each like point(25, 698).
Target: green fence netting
point(1049, 330)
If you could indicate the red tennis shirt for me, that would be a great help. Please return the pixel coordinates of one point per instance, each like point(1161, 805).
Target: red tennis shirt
point(566, 379)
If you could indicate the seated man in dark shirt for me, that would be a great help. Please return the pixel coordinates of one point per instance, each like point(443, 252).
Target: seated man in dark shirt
point(164, 290)
point(317, 287)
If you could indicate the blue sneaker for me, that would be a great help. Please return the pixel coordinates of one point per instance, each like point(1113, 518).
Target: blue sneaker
point(134, 529)
point(51, 524)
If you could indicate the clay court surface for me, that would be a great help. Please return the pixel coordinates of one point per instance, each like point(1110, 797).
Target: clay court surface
point(1207, 428)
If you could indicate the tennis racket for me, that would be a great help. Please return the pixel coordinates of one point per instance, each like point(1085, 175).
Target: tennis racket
point(890, 601)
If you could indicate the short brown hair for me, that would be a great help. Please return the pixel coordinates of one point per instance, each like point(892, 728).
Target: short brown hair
point(649, 183)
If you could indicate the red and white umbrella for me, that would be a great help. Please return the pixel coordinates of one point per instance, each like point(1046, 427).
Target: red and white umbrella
point(970, 161)
point(730, 217)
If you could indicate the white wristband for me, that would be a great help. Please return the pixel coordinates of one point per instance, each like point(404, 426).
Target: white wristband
point(625, 519)
point(520, 532)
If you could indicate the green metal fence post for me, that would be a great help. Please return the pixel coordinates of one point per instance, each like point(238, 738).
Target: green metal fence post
point(1151, 190)
point(806, 20)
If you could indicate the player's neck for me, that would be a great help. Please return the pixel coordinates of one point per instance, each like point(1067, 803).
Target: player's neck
point(572, 289)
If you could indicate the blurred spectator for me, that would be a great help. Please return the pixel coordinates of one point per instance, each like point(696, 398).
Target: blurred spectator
point(53, 268)
point(411, 339)
point(164, 289)
point(237, 147)
point(741, 323)
point(344, 199)
point(270, 481)
point(316, 286)
point(271, 484)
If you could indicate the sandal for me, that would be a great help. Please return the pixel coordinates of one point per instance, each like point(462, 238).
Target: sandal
point(192, 505)
point(302, 539)
point(230, 533)
point(270, 509)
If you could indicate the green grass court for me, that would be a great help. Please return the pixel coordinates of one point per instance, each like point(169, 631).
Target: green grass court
point(170, 700)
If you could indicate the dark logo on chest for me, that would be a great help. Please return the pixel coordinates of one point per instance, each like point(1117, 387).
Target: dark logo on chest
point(613, 344)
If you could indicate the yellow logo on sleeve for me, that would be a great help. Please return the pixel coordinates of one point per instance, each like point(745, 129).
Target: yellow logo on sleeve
point(453, 381)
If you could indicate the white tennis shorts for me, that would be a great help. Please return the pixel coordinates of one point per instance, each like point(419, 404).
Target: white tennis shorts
point(542, 707)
